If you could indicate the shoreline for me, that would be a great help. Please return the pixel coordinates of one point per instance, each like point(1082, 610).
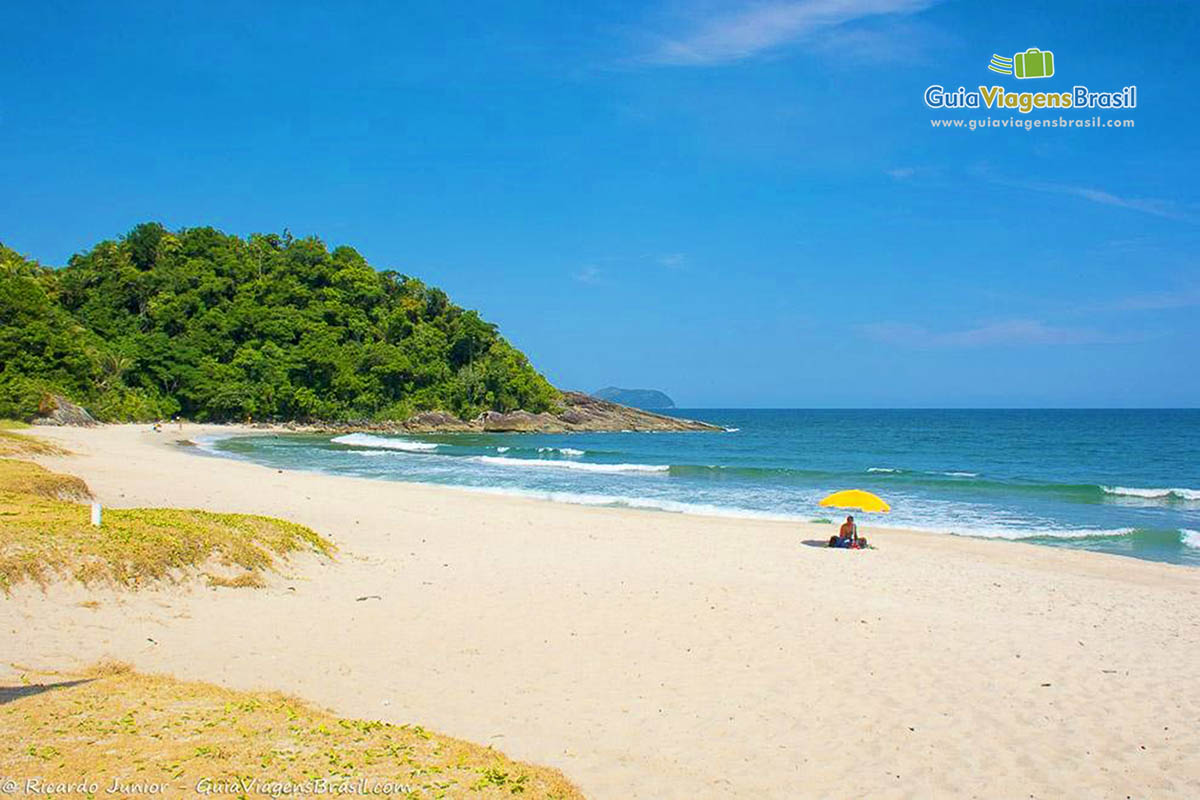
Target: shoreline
point(652, 655)
point(637, 504)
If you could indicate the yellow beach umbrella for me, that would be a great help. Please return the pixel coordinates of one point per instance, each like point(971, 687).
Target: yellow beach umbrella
point(858, 500)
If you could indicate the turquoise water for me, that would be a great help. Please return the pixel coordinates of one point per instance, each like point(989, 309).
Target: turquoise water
point(1124, 482)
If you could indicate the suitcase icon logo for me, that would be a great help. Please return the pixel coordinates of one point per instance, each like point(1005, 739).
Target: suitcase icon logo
point(1033, 63)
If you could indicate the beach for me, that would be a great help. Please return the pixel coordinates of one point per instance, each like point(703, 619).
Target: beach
point(658, 655)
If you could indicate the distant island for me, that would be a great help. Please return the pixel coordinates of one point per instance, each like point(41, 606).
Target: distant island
point(213, 327)
point(638, 398)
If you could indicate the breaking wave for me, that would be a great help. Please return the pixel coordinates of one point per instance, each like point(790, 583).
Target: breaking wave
point(383, 443)
point(538, 463)
point(1153, 494)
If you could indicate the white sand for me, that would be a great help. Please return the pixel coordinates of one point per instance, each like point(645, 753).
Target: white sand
point(656, 655)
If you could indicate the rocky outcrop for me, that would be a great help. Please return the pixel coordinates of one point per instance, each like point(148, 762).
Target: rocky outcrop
point(579, 412)
point(516, 421)
point(54, 409)
point(437, 421)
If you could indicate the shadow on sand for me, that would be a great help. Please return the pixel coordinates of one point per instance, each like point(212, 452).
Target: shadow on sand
point(10, 693)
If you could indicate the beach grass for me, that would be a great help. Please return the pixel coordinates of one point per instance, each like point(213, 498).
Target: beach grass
point(111, 724)
point(45, 535)
point(17, 444)
point(23, 478)
point(13, 425)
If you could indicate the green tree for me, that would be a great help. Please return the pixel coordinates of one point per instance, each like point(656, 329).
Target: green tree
point(218, 327)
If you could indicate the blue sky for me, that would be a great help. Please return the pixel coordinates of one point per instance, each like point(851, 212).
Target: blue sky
point(740, 204)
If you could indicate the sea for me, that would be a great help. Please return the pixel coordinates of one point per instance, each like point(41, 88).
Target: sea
point(1115, 481)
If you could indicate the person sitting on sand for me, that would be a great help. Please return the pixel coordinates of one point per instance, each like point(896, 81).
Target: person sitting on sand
point(848, 534)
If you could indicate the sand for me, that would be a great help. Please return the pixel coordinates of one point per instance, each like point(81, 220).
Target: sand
point(656, 655)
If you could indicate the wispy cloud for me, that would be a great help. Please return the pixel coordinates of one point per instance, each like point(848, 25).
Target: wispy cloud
point(882, 40)
point(1159, 208)
point(993, 334)
point(735, 35)
point(901, 173)
point(672, 260)
point(1147, 205)
point(1154, 301)
point(589, 275)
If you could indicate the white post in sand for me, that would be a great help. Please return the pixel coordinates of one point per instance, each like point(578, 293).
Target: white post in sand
point(96, 511)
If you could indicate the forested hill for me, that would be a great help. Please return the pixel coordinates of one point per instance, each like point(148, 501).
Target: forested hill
point(638, 398)
point(215, 327)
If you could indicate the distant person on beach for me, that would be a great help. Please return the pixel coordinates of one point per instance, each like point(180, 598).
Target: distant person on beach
point(847, 536)
point(848, 532)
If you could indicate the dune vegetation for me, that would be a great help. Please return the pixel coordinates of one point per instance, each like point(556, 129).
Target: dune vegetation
point(16, 444)
point(186, 738)
point(46, 533)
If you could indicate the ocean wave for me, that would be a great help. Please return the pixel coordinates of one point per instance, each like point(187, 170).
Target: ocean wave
point(950, 481)
point(577, 465)
point(978, 528)
point(732, 430)
point(207, 443)
point(1143, 539)
point(1075, 533)
point(896, 477)
point(1117, 539)
point(566, 451)
point(383, 443)
point(1153, 494)
point(898, 471)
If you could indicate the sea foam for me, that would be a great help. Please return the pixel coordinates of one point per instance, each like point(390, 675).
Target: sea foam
point(647, 503)
point(566, 451)
point(1154, 494)
point(578, 465)
point(208, 442)
point(383, 443)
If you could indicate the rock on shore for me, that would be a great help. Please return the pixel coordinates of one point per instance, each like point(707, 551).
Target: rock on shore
point(57, 410)
point(580, 412)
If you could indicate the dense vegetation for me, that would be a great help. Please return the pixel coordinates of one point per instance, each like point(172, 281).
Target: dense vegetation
point(215, 327)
